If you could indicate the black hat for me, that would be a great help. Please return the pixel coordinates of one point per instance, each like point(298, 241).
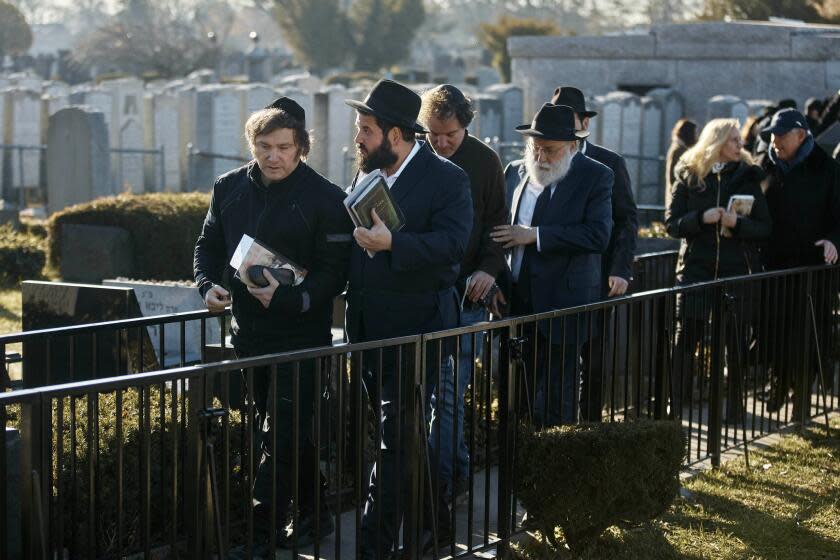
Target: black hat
point(393, 103)
point(572, 97)
point(553, 122)
point(784, 121)
point(291, 107)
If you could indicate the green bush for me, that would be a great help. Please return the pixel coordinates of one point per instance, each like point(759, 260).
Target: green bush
point(586, 478)
point(22, 256)
point(163, 229)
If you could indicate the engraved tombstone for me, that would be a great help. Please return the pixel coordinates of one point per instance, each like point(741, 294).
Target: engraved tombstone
point(487, 123)
point(631, 136)
point(649, 190)
point(512, 106)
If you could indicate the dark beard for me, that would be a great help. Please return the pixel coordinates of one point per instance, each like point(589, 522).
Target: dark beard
point(382, 157)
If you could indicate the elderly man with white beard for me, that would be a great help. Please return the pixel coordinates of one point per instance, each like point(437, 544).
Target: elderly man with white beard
point(561, 220)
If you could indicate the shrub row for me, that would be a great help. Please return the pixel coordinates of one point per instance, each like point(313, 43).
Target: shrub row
point(163, 228)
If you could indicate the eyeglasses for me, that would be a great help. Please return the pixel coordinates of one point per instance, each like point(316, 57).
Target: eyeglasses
point(547, 153)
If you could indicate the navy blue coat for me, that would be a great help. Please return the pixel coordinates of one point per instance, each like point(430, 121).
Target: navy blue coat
point(410, 289)
point(574, 232)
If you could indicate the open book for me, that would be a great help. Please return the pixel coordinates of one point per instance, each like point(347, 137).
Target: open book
point(741, 204)
point(251, 254)
point(373, 193)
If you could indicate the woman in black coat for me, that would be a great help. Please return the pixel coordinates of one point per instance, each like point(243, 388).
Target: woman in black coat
point(716, 243)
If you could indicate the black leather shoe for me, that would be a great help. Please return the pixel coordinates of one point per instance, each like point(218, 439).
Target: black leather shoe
point(306, 530)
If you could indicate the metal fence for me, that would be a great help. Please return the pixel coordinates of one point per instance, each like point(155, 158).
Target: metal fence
point(202, 168)
point(164, 462)
point(138, 170)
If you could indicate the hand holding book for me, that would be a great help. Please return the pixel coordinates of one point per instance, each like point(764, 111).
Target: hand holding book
point(376, 238)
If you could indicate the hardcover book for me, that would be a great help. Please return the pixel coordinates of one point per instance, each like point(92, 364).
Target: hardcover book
point(741, 203)
point(253, 253)
point(373, 193)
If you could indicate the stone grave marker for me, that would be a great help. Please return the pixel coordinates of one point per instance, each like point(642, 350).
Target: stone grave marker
point(487, 123)
point(611, 120)
point(727, 107)
point(672, 111)
point(160, 298)
point(254, 98)
point(339, 133)
point(227, 128)
point(186, 133)
point(631, 136)
point(23, 119)
point(59, 304)
point(651, 177)
point(317, 121)
point(512, 101)
point(78, 161)
point(594, 104)
point(130, 173)
point(162, 130)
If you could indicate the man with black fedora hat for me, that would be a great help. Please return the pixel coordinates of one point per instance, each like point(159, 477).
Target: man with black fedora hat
point(406, 287)
point(561, 220)
point(282, 203)
point(617, 261)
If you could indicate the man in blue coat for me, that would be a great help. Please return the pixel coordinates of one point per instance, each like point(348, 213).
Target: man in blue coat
point(561, 220)
point(407, 286)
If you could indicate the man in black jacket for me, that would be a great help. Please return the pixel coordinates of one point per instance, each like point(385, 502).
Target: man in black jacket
point(617, 261)
point(281, 202)
point(407, 287)
point(803, 194)
point(447, 113)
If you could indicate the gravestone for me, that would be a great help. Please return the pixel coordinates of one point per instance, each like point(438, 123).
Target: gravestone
point(512, 102)
point(672, 111)
point(631, 137)
point(651, 178)
point(103, 101)
point(201, 77)
point(78, 161)
point(166, 298)
point(339, 133)
point(487, 124)
point(612, 120)
point(12, 548)
point(227, 128)
point(130, 174)
point(54, 103)
point(757, 106)
point(187, 129)
point(486, 76)
point(92, 253)
point(23, 117)
point(727, 107)
point(163, 132)
point(303, 81)
point(318, 122)
point(594, 104)
point(59, 304)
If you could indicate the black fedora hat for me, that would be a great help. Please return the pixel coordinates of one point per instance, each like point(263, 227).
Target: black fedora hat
point(291, 107)
point(393, 103)
point(553, 122)
point(572, 97)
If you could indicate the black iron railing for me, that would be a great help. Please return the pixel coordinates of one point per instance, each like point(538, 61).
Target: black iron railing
point(166, 461)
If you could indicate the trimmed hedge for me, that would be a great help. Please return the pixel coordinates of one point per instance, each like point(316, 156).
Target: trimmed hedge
point(589, 477)
point(163, 228)
point(22, 256)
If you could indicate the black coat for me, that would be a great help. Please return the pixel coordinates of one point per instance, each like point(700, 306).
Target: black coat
point(618, 258)
point(303, 218)
point(574, 231)
point(410, 289)
point(805, 206)
point(705, 254)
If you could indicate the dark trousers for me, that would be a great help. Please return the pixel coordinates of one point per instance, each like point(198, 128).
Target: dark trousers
point(280, 431)
point(389, 393)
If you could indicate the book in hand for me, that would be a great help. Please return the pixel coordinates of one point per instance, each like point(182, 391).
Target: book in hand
point(741, 204)
point(372, 193)
point(251, 257)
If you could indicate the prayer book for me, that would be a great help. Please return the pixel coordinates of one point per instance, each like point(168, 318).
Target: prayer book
point(252, 256)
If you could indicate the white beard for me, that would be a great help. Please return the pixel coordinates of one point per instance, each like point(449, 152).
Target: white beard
point(544, 174)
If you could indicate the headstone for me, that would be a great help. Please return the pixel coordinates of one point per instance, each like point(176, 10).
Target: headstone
point(130, 173)
point(202, 77)
point(672, 111)
point(92, 253)
point(611, 120)
point(12, 548)
point(27, 80)
point(727, 107)
point(339, 134)
point(187, 129)
point(58, 304)
point(595, 103)
point(486, 76)
point(78, 161)
point(227, 128)
point(649, 189)
point(757, 106)
point(54, 103)
point(318, 122)
point(304, 81)
point(254, 98)
point(631, 136)
point(23, 114)
point(103, 101)
point(127, 133)
point(512, 102)
point(156, 298)
point(487, 123)
point(163, 133)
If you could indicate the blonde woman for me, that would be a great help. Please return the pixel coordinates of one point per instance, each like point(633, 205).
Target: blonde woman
point(716, 242)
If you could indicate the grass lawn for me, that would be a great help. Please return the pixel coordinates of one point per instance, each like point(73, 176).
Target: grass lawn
point(787, 506)
point(9, 310)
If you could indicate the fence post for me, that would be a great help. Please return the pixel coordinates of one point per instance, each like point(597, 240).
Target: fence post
point(33, 465)
point(716, 373)
point(195, 503)
point(507, 440)
point(802, 384)
point(413, 524)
